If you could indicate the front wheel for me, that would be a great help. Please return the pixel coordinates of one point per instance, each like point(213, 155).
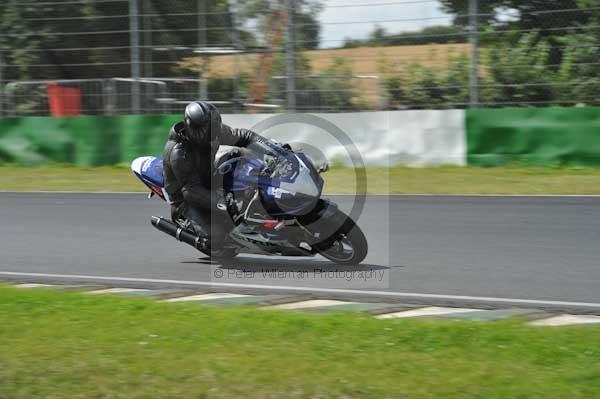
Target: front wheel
point(348, 246)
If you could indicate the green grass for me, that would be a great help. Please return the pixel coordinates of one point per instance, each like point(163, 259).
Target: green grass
point(66, 345)
point(399, 180)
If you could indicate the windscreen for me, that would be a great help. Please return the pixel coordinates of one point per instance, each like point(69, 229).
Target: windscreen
point(303, 183)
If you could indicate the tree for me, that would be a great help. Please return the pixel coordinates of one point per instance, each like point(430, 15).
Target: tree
point(331, 89)
point(428, 35)
point(537, 47)
point(520, 74)
point(532, 14)
point(577, 79)
point(552, 19)
point(307, 27)
point(17, 41)
point(378, 37)
point(424, 87)
point(79, 40)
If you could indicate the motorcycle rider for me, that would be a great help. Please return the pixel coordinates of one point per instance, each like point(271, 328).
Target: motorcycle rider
point(188, 164)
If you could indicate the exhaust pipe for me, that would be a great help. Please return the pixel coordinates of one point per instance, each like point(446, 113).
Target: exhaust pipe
point(177, 232)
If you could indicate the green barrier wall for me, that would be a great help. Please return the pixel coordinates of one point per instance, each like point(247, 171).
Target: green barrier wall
point(534, 136)
point(82, 140)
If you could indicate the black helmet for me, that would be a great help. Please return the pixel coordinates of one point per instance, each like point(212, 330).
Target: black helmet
point(202, 122)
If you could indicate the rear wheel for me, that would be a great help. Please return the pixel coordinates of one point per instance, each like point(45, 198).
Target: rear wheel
point(348, 246)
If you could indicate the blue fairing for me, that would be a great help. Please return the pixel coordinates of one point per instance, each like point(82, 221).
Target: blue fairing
point(152, 170)
point(245, 173)
point(281, 195)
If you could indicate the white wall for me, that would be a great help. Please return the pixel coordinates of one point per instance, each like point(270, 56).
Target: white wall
point(410, 138)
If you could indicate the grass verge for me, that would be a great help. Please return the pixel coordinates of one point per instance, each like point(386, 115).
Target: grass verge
point(399, 180)
point(66, 345)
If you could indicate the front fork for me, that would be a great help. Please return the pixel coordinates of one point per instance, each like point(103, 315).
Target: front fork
point(318, 225)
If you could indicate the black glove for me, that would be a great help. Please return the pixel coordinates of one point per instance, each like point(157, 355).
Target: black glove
point(234, 153)
point(288, 147)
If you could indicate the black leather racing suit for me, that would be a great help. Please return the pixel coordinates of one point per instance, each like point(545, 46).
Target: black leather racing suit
point(189, 182)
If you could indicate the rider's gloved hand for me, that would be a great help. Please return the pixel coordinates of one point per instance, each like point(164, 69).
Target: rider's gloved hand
point(234, 153)
point(281, 145)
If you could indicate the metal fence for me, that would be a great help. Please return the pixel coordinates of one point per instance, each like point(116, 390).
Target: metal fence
point(152, 56)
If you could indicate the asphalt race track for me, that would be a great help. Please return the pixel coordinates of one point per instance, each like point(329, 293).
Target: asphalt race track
point(440, 249)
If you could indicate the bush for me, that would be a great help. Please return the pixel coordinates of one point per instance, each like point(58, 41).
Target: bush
point(522, 73)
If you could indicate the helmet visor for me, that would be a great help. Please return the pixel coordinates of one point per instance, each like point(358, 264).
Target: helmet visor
point(199, 133)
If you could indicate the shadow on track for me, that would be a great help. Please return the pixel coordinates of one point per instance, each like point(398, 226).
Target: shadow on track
point(247, 264)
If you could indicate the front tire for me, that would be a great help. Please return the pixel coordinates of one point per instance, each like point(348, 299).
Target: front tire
point(348, 246)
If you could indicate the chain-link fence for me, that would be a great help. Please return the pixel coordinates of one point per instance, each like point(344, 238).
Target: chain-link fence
point(152, 56)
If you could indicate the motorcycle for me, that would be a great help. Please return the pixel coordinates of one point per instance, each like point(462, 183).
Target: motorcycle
point(280, 209)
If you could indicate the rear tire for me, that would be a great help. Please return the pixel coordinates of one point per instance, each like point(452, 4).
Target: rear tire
point(348, 246)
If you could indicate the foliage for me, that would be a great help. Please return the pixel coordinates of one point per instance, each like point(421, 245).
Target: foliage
point(307, 28)
point(426, 87)
point(432, 34)
point(528, 11)
point(17, 41)
point(331, 89)
point(509, 74)
point(578, 74)
point(553, 20)
point(32, 35)
point(334, 89)
point(520, 72)
point(527, 73)
point(546, 53)
point(534, 59)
